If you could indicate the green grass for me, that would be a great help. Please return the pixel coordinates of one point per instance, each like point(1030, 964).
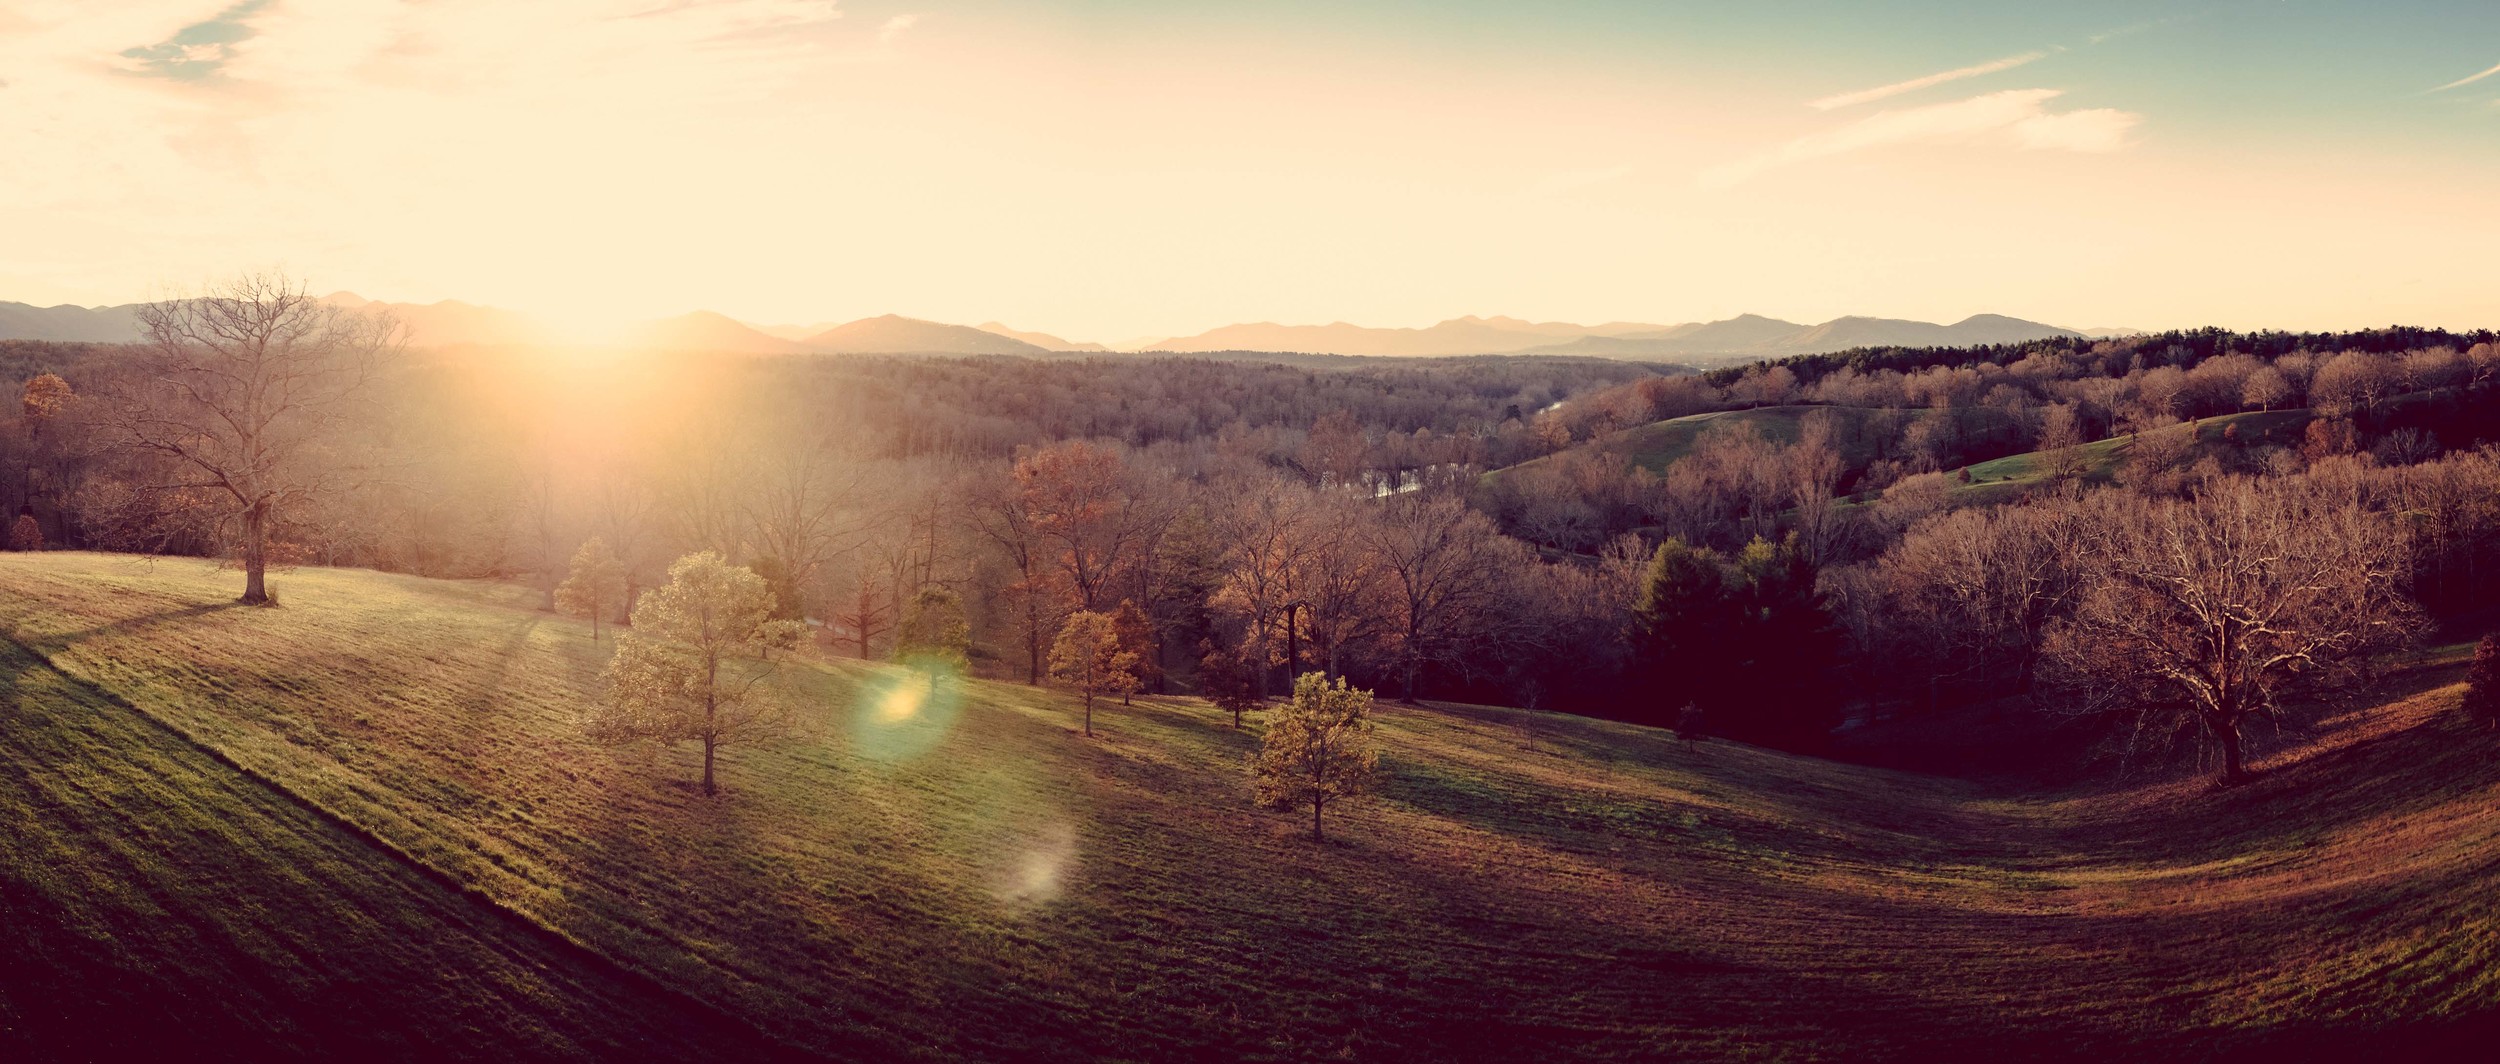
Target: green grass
point(234, 820)
point(2101, 458)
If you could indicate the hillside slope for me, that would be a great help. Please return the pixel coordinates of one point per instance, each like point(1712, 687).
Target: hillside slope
point(968, 877)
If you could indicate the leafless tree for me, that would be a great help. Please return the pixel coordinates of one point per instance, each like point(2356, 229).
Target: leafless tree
point(243, 392)
point(2197, 617)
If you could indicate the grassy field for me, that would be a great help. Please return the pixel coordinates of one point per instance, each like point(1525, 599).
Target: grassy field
point(2101, 458)
point(365, 823)
point(1659, 444)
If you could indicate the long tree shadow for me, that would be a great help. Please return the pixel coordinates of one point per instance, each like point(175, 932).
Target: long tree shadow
point(56, 642)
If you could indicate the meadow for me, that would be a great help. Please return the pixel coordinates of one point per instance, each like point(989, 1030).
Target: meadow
point(375, 802)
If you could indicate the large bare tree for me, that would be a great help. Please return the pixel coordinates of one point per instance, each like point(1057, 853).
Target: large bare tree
point(2197, 617)
point(240, 393)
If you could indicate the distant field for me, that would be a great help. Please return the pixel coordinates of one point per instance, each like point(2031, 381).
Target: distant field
point(2278, 428)
point(1659, 444)
point(372, 806)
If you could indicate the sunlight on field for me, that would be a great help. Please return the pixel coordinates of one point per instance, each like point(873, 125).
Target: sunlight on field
point(901, 715)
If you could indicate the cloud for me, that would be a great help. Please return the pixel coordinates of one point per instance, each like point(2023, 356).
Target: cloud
point(894, 29)
point(2018, 118)
point(197, 51)
point(2462, 82)
point(1852, 99)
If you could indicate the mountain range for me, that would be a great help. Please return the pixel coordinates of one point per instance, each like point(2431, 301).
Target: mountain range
point(1744, 337)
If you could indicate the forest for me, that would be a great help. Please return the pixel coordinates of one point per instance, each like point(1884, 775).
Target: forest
point(2151, 546)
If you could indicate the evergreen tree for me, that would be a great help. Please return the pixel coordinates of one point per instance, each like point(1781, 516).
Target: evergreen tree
point(1787, 647)
point(1680, 628)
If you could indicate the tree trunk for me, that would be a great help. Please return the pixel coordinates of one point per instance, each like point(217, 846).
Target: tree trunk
point(1089, 714)
point(708, 788)
point(1316, 802)
point(1411, 664)
point(2232, 773)
point(256, 554)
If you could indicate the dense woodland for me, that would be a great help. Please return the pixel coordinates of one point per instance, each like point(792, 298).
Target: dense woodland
point(1467, 529)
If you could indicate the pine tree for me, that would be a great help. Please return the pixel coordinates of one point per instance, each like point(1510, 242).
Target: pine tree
point(1680, 628)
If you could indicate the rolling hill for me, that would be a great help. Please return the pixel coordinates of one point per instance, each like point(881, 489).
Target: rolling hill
point(706, 331)
point(99, 325)
point(1657, 445)
point(1044, 341)
point(1753, 337)
point(366, 823)
point(895, 334)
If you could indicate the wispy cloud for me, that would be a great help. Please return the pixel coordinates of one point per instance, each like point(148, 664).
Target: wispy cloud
point(1852, 99)
point(2463, 82)
point(2017, 118)
point(200, 50)
point(894, 29)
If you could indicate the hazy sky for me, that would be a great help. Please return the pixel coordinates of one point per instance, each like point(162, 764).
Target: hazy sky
point(1118, 170)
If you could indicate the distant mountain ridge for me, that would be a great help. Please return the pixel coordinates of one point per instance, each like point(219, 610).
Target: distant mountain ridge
point(1744, 337)
point(73, 324)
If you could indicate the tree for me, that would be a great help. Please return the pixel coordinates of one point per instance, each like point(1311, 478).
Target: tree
point(25, 534)
point(1087, 656)
point(1681, 625)
point(1317, 750)
point(1444, 570)
point(2197, 617)
point(1226, 681)
point(1785, 648)
point(2266, 387)
point(691, 667)
point(788, 603)
point(1137, 636)
point(933, 635)
point(1981, 586)
point(43, 398)
point(2061, 441)
point(594, 585)
point(2482, 683)
point(239, 391)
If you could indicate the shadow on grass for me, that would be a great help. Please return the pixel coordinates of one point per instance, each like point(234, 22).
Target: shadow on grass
point(53, 644)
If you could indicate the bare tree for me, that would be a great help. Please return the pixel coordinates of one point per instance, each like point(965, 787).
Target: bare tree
point(240, 393)
point(1443, 569)
point(2196, 617)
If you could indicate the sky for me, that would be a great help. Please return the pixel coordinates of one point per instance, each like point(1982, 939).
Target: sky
point(1119, 171)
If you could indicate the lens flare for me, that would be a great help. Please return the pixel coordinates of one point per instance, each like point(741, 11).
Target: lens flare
point(1036, 867)
point(906, 699)
point(905, 711)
